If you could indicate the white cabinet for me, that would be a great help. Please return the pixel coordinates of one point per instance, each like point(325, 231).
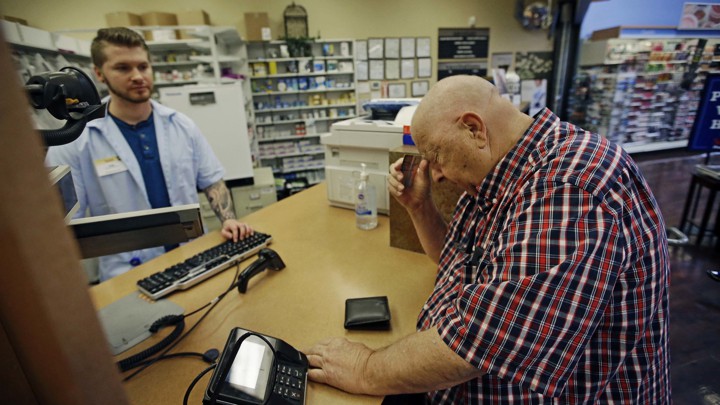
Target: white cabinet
point(248, 199)
point(296, 98)
point(218, 110)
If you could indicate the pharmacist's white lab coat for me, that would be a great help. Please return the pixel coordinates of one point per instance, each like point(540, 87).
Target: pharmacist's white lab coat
point(108, 179)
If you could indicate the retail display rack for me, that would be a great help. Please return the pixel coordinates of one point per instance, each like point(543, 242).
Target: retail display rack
point(630, 91)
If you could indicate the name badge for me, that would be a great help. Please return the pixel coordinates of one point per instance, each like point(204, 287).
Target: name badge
point(110, 165)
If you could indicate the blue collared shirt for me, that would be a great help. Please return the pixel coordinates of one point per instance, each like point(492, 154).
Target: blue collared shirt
point(143, 142)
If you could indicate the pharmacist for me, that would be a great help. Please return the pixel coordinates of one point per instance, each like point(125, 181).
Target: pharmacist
point(142, 155)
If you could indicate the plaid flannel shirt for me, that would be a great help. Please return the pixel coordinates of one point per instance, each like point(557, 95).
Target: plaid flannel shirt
point(554, 279)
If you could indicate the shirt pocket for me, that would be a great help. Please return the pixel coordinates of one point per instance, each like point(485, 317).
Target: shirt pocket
point(181, 178)
point(457, 268)
point(121, 193)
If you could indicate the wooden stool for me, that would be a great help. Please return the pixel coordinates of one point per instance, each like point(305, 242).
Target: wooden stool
point(697, 184)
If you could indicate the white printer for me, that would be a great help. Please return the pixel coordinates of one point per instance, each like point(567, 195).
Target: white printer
point(362, 140)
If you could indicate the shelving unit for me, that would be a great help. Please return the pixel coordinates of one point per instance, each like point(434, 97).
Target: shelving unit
point(296, 99)
point(629, 90)
point(211, 55)
point(36, 51)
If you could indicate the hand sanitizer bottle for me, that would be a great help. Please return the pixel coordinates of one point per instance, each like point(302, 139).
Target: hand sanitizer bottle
point(365, 202)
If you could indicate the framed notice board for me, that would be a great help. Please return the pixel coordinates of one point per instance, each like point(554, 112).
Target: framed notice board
point(452, 68)
point(705, 134)
point(463, 43)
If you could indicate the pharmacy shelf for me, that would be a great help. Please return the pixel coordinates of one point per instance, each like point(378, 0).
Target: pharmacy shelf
point(301, 58)
point(285, 155)
point(281, 122)
point(654, 146)
point(289, 138)
point(308, 107)
point(620, 92)
point(176, 83)
point(177, 63)
point(284, 122)
point(303, 169)
point(308, 74)
point(218, 58)
point(179, 44)
point(310, 91)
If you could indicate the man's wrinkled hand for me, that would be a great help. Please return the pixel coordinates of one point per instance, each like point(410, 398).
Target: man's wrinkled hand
point(341, 364)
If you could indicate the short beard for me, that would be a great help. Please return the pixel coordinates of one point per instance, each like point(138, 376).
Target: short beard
point(126, 97)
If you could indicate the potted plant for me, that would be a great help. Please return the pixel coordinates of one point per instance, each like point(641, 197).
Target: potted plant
point(299, 47)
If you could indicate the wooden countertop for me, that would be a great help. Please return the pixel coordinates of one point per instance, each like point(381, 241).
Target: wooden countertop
point(327, 261)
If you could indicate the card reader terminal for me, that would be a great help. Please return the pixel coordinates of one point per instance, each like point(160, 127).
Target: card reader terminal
point(259, 370)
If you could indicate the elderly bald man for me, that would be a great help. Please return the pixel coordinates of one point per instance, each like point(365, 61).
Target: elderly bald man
point(552, 283)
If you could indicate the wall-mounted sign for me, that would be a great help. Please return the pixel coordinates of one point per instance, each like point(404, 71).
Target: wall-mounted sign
point(705, 135)
point(463, 43)
point(204, 98)
point(700, 16)
point(446, 69)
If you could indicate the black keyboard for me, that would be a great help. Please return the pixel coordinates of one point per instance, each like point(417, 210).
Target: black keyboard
point(202, 266)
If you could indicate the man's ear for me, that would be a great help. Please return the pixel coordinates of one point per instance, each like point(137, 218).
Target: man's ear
point(476, 127)
point(98, 74)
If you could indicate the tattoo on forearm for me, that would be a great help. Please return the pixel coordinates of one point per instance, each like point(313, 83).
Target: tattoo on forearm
point(220, 201)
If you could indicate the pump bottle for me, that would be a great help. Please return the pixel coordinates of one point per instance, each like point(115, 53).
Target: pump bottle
point(365, 202)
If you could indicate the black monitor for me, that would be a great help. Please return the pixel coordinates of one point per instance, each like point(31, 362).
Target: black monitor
point(109, 234)
point(705, 134)
point(61, 178)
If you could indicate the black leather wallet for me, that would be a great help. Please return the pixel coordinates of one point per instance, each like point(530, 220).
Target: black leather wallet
point(371, 313)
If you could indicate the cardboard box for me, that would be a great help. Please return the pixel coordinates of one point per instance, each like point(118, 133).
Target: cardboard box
point(122, 19)
point(619, 31)
point(159, 19)
point(192, 17)
point(255, 23)
point(608, 33)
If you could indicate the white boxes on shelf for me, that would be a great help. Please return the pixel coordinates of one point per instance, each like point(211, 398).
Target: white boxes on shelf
point(11, 32)
point(66, 44)
point(36, 37)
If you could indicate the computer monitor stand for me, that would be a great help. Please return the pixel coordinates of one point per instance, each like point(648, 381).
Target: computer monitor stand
point(116, 233)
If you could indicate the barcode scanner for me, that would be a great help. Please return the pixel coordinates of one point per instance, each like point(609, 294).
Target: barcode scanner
point(267, 259)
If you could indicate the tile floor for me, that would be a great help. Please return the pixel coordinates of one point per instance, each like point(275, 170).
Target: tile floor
point(694, 297)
